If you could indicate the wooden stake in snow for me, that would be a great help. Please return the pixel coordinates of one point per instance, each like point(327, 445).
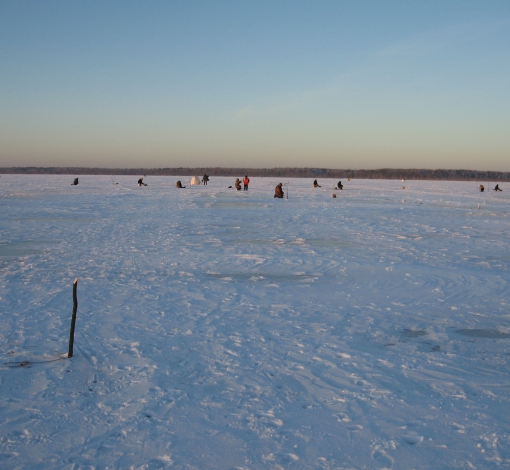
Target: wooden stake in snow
point(73, 319)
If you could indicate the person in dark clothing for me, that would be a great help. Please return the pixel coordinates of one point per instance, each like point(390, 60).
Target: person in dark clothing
point(278, 191)
point(179, 184)
point(141, 183)
point(496, 188)
point(205, 179)
point(315, 184)
point(482, 188)
point(75, 182)
point(237, 184)
point(340, 185)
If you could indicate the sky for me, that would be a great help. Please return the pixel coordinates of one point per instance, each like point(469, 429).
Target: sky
point(332, 84)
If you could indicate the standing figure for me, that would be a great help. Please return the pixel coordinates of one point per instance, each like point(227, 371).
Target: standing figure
point(205, 179)
point(246, 181)
point(278, 191)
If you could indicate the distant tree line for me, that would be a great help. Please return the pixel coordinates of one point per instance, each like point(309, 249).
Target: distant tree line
point(382, 173)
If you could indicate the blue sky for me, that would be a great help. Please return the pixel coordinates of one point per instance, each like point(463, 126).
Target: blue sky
point(334, 84)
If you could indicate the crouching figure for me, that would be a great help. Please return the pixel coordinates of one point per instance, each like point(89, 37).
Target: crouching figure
point(278, 191)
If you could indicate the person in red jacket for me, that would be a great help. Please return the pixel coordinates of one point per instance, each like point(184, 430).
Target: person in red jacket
point(246, 180)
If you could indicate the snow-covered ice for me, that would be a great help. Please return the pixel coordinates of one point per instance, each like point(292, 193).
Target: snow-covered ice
point(219, 329)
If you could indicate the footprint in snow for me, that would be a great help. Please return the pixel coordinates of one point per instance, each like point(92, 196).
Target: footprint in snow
point(382, 458)
point(413, 440)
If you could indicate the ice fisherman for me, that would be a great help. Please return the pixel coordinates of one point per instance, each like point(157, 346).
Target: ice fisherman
point(237, 184)
point(316, 185)
point(246, 181)
point(278, 191)
point(141, 183)
point(179, 184)
point(496, 188)
point(482, 188)
point(340, 185)
point(75, 182)
point(205, 179)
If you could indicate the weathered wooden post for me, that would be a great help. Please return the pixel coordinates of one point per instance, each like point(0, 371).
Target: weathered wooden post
point(73, 319)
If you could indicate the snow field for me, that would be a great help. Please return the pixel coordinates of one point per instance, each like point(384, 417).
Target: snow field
point(222, 329)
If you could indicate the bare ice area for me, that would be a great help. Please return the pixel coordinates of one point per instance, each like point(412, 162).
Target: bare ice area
point(224, 329)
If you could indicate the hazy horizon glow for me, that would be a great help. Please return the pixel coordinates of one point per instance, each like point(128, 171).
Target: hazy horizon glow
point(261, 84)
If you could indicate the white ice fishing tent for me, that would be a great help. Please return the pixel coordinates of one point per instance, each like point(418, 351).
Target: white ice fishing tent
point(195, 180)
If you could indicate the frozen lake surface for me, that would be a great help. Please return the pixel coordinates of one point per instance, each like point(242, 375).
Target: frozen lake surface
point(219, 329)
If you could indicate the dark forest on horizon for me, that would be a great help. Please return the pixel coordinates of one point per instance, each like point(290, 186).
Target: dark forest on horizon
point(382, 173)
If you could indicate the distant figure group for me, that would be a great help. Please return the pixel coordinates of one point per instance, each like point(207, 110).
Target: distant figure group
point(278, 191)
point(496, 188)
